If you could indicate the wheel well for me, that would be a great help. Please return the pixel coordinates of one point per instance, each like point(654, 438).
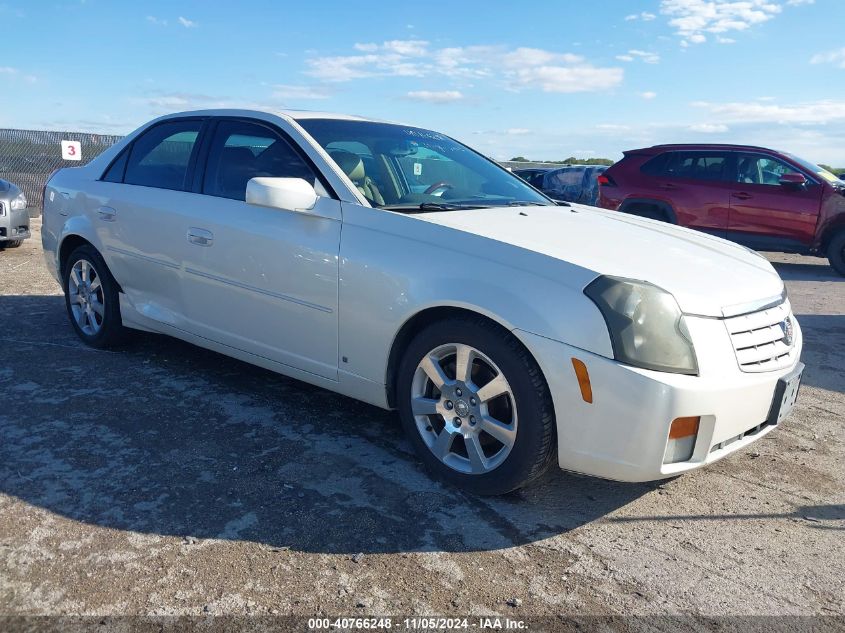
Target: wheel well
point(638, 206)
point(69, 244)
point(416, 324)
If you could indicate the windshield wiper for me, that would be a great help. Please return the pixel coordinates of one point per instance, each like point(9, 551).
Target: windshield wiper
point(429, 206)
point(525, 203)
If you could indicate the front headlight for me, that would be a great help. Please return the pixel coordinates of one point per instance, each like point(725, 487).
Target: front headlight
point(646, 326)
point(18, 203)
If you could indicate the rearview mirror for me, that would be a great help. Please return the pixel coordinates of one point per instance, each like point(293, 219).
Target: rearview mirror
point(793, 180)
point(291, 194)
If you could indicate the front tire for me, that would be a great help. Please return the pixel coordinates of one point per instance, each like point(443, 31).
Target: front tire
point(475, 406)
point(10, 244)
point(92, 299)
point(836, 252)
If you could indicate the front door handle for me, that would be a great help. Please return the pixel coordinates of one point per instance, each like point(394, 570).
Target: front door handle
point(200, 237)
point(741, 195)
point(107, 214)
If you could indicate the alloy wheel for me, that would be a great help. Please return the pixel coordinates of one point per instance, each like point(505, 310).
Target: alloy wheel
point(86, 297)
point(464, 408)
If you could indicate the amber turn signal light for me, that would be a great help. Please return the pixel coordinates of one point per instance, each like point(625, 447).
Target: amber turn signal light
point(683, 427)
point(583, 380)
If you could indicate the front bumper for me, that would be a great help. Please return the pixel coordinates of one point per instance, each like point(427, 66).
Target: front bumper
point(623, 433)
point(14, 225)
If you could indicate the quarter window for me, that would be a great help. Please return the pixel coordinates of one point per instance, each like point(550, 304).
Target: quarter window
point(241, 151)
point(160, 157)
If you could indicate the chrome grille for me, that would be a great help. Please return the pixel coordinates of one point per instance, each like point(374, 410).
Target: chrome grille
point(760, 339)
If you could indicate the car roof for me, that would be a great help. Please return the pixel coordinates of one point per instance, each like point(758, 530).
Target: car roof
point(295, 115)
point(654, 149)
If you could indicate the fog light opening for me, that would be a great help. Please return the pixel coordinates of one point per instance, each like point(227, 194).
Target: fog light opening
point(682, 436)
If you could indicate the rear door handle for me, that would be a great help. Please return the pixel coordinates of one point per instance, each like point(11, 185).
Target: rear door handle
point(741, 195)
point(200, 237)
point(107, 214)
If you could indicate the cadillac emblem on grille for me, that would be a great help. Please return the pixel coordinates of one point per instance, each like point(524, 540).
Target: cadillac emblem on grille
point(788, 331)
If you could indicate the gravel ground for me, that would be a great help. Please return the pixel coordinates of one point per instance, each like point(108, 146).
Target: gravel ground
point(165, 479)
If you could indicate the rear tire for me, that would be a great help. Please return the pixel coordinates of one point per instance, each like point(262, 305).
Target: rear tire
point(11, 244)
point(92, 298)
point(836, 252)
point(501, 442)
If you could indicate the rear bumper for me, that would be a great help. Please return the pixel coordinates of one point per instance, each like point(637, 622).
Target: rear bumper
point(623, 433)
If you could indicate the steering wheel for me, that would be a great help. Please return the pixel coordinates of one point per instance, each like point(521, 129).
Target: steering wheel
point(437, 187)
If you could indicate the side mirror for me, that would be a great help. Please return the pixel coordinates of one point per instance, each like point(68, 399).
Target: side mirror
point(793, 180)
point(290, 194)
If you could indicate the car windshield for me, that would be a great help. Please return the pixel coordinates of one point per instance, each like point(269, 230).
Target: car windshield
point(818, 171)
point(404, 168)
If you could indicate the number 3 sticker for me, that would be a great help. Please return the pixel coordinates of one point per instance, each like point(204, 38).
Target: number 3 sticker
point(71, 150)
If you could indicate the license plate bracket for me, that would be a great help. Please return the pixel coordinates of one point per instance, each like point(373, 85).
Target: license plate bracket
point(786, 394)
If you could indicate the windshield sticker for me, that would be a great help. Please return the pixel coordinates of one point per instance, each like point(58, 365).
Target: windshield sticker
point(417, 169)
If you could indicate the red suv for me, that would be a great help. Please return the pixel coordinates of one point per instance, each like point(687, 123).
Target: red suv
point(766, 200)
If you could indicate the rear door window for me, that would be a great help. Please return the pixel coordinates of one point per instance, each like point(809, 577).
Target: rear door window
point(160, 157)
point(710, 166)
point(241, 151)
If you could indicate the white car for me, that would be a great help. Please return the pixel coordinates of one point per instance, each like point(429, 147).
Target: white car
point(397, 266)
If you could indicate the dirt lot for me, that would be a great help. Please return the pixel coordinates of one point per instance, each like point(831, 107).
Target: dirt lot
point(164, 479)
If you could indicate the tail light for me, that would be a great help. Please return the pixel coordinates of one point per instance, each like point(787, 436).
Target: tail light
point(44, 190)
point(606, 181)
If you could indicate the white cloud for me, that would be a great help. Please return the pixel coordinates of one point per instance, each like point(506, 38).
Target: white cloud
point(294, 92)
point(709, 128)
point(157, 21)
point(836, 58)
point(188, 24)
point(809, 112)
point(693, 19)
point(646, 56)
point(517, 131)
point(648, 95)
point(14, 73)
point(517, 68)
point(645, 16)
point(443, 96)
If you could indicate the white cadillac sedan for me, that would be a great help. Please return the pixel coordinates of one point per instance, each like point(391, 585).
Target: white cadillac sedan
point(397, 266)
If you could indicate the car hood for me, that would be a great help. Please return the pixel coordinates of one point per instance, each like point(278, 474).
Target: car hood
point(707, 275)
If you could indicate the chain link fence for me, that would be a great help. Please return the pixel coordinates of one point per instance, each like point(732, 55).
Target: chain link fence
point(28, 157)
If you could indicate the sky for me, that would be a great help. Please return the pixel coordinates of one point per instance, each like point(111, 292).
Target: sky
point(545, 80)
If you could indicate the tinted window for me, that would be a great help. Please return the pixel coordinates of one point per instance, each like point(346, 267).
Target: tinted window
point(241, 151)
point(656, 166)
point(756, 169)
point(115, 172)
point(160, 156)
point(694, 165)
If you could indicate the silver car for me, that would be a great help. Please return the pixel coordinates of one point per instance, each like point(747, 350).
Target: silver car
point(14, 217)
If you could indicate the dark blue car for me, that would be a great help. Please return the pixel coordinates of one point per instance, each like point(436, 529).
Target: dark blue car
point(572, 183)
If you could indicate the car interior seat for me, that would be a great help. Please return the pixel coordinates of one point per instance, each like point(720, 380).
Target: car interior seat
point(353, 167)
